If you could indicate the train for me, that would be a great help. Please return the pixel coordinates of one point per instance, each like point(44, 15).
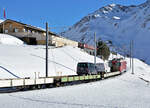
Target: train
point(114, 65)
point(118, 66)
point(23, 84)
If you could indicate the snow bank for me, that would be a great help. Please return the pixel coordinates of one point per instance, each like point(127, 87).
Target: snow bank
point(8, 39)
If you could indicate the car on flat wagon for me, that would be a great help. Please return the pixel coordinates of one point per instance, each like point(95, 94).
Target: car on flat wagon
point(102, 67)
point(86, 68)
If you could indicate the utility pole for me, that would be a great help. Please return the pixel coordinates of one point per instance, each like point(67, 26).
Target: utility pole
point(3, 27)
point(132, 58)
point(130, 52)
point(113, 52)
point(95, 51)
point(46, 49)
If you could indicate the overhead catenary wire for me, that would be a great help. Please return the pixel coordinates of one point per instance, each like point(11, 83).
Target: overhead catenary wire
point(62, 65)
point(62, 28)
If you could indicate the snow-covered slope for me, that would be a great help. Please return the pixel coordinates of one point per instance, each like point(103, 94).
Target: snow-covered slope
point(11, 40)
point(26, 61)
point(124, 91)
point(117, 23)
point(23, 61)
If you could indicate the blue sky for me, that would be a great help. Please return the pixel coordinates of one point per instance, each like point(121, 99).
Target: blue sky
point(56, 12)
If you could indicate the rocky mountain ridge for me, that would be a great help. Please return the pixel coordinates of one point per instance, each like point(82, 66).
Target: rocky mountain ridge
point(119, 24)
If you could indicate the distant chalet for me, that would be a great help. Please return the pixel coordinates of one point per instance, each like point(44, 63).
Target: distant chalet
point(33, 35)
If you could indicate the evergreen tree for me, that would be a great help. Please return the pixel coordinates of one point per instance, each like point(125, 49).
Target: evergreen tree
point(103, 50)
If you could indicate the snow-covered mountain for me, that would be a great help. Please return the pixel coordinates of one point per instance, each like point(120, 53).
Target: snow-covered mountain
point(117, 23)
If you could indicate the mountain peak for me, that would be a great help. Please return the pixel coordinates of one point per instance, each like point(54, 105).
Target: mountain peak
point(118, 24)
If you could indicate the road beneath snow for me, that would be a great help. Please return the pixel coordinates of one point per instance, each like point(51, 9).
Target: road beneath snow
point(125, 91)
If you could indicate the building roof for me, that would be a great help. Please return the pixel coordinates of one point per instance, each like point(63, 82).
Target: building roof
point(28, 26)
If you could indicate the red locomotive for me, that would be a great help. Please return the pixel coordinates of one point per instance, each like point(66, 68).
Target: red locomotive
point(118, 65)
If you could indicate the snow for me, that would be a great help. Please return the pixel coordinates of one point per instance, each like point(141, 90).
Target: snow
point(8, 39)
point(119, 24)
point(112, 5)
point(124, 91)
point(115, 17)
point(1, 20)
point(105, 12)
point(97, 15)
point(25, 60)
